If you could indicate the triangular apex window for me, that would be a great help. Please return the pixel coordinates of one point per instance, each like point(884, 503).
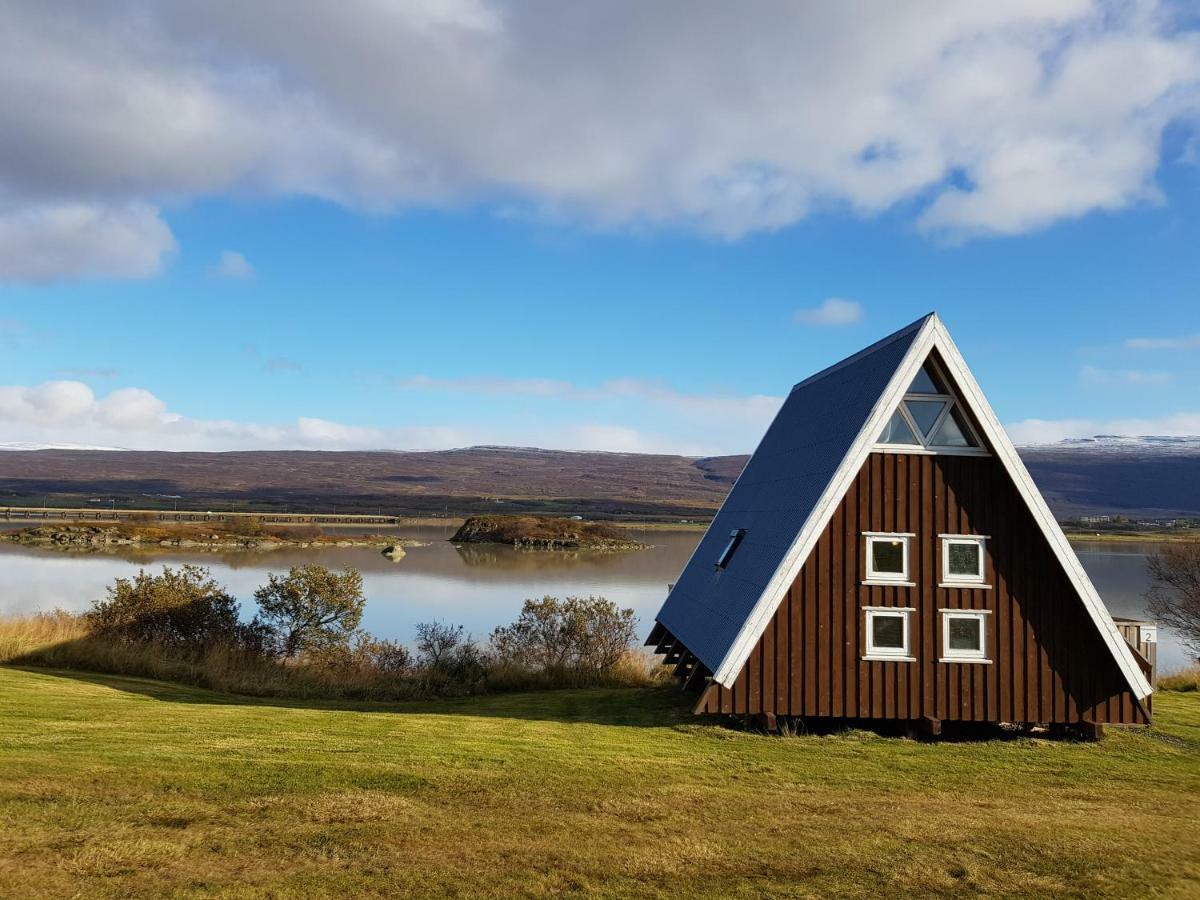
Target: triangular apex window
point(930, 418)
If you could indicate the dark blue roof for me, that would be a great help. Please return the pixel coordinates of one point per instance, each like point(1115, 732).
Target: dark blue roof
point(796, 460)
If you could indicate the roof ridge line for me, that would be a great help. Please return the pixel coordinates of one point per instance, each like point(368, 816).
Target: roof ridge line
point(866, 351)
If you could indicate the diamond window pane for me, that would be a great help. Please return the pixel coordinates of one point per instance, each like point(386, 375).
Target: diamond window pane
point(965, 633)
point(964, 559)
point(897, 431)
point(925, 413)
point(923, 383)
point(888, 556)
point(952, 432)
point(887, 632)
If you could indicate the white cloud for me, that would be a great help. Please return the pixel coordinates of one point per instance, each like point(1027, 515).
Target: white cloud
point(52, 241)
point(1132, 377)
point(985, 118)
point(231, 264)
point(282, 364)
point(752, 407)
point(65, 413)
point(1041, 431)
point(833, 311)
point(48, 403)
point(1182, 342)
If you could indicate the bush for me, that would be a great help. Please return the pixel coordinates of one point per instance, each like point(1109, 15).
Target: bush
point(450, 659)
point(244, 526)
point(311, 609)
point(182, 608)
point(586, 636)
point(364, 655)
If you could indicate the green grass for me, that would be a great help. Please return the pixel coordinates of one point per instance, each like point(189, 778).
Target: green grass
point(118, 786)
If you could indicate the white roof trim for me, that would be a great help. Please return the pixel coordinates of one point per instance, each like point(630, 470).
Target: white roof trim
point(995, 434)
point(932, 335)
point(789, 567)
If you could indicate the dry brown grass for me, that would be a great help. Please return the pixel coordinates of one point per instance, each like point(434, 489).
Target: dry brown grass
point(61, 640)
point(1185, 680)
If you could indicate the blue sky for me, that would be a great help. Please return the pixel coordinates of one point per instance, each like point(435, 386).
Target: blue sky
point(187, 282)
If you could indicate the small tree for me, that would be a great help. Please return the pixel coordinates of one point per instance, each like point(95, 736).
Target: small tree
point(437, 642)
point(181, 607)
point(589, 635)
point(311, 608)
point(1174, 597)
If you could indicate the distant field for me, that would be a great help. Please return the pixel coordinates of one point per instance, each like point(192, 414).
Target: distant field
point(122, 787)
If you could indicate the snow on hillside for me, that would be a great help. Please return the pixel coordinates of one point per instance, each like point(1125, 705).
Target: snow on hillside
point(27, 445)
point(1112, 444)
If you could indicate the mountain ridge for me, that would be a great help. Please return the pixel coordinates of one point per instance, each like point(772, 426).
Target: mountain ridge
point(1144, 476)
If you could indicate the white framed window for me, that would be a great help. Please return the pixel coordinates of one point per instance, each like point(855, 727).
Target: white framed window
point(930, 419)
point(887, 557)
point(887, 632)
point(964, 560)
point(964, 635)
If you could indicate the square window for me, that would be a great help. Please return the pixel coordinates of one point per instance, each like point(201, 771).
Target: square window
point(887, 557)
point(887, 633)
point(964, 635)
point(963, 560)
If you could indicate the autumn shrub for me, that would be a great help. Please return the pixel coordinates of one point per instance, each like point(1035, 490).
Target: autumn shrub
point(575, 641)
point(181, 608)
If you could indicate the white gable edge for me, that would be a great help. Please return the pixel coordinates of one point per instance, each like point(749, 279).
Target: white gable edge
point(1003, 448)
point(789, 567)
point(933, 334)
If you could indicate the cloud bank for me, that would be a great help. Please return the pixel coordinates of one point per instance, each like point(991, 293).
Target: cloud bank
point(976, 118)
point(70, 413)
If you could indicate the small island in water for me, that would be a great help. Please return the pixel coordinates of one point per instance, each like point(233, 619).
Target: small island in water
point(545, 533)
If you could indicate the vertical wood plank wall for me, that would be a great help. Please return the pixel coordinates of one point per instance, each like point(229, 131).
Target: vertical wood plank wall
point(1049, 664)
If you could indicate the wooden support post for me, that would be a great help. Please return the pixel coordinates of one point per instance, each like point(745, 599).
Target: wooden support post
point(684, 661)
point(929, 726)
point(767, 722)
point(695, 680)
point(1091, 731)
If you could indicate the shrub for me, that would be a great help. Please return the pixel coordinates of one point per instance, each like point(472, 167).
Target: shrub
point(451, 662)
point(245, 526)
point(437, 642)
point(311, 609)
point(183, 608)
point(589, 636)
point(364, 655)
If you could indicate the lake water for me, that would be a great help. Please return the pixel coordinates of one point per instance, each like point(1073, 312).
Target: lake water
point(478, 587)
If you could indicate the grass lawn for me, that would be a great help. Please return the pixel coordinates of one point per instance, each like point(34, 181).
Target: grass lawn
point(113, 786)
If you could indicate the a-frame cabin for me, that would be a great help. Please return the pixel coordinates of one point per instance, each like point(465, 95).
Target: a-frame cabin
point(886, 555)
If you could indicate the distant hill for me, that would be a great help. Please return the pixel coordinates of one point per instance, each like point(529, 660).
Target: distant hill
point(1148, 477)
point(457, 482)
point(1153, 477)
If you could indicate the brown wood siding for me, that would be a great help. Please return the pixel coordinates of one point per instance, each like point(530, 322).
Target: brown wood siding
point(1049, 664)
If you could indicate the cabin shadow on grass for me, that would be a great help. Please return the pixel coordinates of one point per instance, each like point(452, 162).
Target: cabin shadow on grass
point(664, 706)
point(653, 707)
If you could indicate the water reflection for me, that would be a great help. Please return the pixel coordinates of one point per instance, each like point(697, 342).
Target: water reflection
point(476, 586)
